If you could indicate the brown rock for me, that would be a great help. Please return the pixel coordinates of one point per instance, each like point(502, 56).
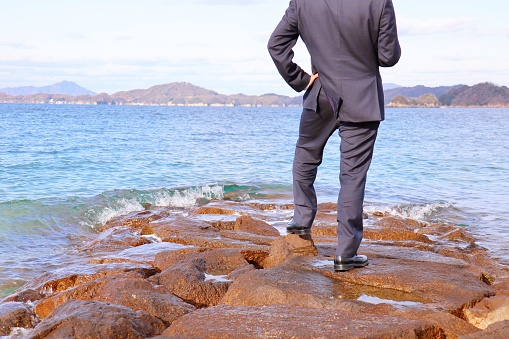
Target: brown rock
point(326, 218)
point(240, 271)
point(165, 259)
point(92, 319)
point(281, 321)
point(438, 230)
point(24, 295)
point(135, 220)
point(230, 208)
point(113, 239)
point(410, 253)
point(394, 234)
point(216, 261)
point(400, 223)
point(218, 221)
point(129, 290)
point(248, 224)
point(247, 238)
point(187, 231)
point(292, 244)
point(289, 286)
point(255, 257)
point(15, 314)
point(269, 206)
point(451, 325)
point(488, 311)
point(212, 209)
point(446, 285)
point(69, 277)
point(487, 269)
point(144, 254)
point(459, 235)
point(327, 207)
point(201, 278)
point(498, 330)
point(190, 284)
point(320, 229)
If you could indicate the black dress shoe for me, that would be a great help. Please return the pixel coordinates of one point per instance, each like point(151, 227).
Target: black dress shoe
point(346, 264)
point(295, 228)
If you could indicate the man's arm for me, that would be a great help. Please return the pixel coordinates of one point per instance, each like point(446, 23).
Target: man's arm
point(389, 50)
point(280, 47)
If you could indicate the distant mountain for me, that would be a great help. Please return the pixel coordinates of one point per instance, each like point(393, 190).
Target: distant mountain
point(186, 94)
point(415, 92)
point(173, 94)
point(162, 94)
point(64, 87)
point(480, 95)
point(425, 100)
point(390, 86)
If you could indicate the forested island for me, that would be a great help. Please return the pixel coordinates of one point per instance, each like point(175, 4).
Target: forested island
point(173, 94)
point(186, 94)
point(481, 95)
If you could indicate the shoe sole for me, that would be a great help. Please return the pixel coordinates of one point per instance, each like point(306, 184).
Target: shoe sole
point(348, 267)
point(300, 232)
point(343, 268)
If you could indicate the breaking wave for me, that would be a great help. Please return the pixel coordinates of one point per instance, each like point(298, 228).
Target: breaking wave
point(428, 212)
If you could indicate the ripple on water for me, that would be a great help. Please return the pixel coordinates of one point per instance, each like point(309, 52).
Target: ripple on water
point(398, 304)
point(369, 294)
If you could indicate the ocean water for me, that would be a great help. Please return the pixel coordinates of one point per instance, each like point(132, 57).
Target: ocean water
point(64, 170)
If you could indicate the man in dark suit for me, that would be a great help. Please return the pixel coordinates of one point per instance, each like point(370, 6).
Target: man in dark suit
point(348, 41)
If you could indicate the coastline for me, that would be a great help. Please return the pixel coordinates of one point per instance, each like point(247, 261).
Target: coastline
point(208, 271)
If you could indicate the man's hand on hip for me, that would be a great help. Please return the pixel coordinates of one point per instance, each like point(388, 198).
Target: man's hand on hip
point(312, 80)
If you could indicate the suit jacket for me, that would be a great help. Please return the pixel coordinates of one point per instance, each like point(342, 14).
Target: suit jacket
point(348, 41)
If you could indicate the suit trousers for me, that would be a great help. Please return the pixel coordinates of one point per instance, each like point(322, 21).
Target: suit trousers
point(357, 144)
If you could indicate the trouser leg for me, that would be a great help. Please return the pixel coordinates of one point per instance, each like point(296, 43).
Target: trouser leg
point(314, 131)
point(357, 143)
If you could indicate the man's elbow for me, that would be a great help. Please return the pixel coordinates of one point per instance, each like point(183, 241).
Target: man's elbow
point(270, 45)
point(273, 45)
point(389, 59)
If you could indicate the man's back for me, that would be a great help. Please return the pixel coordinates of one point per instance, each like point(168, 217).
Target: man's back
point(348, 41)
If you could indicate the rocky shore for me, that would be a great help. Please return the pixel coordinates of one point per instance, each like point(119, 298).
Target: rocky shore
point(222, 270)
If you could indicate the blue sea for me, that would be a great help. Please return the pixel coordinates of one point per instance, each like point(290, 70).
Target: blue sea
point(65, 170)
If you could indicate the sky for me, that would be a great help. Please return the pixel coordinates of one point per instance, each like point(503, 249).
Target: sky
point(109, 46)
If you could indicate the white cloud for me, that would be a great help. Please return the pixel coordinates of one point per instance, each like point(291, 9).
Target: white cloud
point(221, 44)
point(225, 2)
point(434, 26)
point(76, 36)
point(16, 44)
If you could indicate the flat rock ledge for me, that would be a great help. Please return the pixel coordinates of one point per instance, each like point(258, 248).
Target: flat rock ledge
point(228, 270)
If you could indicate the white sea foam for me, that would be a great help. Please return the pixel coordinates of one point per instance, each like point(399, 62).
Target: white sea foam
point(323, 263)
point(16, 333)
point(398, 304)
point(181, 198)
point(121, 207)
point(216, 278)
point(419, 212)
point(187, 197)
point(153, 238)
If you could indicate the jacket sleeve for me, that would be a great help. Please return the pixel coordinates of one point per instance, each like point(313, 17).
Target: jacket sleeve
point(280, 47)
point(389, 50)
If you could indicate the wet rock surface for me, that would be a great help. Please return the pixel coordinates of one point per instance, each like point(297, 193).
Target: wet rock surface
point(281, 321)
point(15, 314)
point(228, 270)
point(93, 319)
point(127, 289)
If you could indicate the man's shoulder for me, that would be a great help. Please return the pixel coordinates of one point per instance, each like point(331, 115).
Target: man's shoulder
point(333, 3)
